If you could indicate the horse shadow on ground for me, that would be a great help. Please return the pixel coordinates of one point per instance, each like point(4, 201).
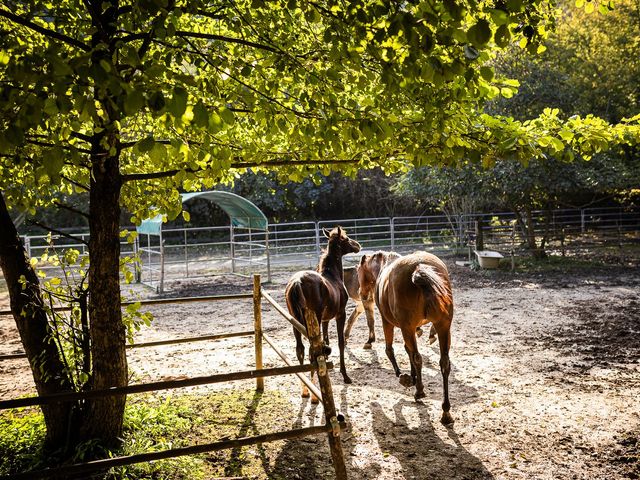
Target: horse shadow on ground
point(372, 368)
point(406, 448)
point(418, 449)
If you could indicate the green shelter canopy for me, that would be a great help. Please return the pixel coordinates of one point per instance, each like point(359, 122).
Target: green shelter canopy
point(242, 212)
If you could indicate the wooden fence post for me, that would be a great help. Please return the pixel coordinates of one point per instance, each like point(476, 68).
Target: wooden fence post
point(257, 326)
point(479, 235)
point(316, 352)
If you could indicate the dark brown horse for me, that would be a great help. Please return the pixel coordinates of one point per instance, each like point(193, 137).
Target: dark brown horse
point(409, 293)
point(323, 292)
point(365, 303)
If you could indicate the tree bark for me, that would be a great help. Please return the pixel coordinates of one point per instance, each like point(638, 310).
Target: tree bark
point(108, 336)
point(49, 372)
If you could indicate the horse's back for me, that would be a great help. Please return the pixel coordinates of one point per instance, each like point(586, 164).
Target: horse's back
point(400, 298)
point(310, 290)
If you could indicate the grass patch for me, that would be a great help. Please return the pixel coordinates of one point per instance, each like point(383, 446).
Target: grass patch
point(154, 423)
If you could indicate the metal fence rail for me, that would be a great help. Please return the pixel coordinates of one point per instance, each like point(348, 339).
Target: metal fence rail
point(198, 251)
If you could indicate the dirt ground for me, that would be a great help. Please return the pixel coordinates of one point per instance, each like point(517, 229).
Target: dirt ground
point(545, 381)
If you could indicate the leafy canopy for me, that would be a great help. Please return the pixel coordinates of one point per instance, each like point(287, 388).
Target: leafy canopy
point(185, 93)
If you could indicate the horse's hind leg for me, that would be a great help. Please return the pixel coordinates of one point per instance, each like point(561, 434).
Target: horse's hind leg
point(387, 328)
point(432, 334)
point(352, 319)
point(300, 355)
point(413, 367)
point(444, 336)
point(411, 346)
point(325, 333)
point(340, 319)
point(368, 310)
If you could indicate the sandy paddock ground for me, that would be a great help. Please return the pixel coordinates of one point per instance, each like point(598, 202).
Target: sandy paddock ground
point(545, 380)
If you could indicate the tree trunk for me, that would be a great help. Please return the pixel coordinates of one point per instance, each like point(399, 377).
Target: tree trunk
point(104, 417)
point(108, 336)
point(49, 372)
point(538, 252)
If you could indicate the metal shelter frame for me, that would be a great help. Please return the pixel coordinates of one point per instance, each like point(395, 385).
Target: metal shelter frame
point(243, 215)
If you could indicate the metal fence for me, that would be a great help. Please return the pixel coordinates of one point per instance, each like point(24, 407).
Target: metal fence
point(192, 252)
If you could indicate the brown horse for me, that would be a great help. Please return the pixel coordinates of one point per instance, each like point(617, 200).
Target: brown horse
point(409, 293)
point(353, 276)
point(323, 292)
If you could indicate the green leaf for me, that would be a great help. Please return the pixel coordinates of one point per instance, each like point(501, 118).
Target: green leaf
point(178, 104)
point(480, 33)
point(53, 161)
point(486, 73)
point(557, 144)
point(50, 107)
point(106, 66)
point(499, 17)
point(502, 36)
point(200, 115)
point(158, 153)
point(226, 115)
point(133, 103)
point(146, 144)
point(156, 101)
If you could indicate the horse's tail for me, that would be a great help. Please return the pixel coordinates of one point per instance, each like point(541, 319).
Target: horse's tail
point(437, 291)
point(297, 306)
point(296, 302)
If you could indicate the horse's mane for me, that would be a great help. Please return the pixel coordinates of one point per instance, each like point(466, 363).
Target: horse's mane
point(326, 265)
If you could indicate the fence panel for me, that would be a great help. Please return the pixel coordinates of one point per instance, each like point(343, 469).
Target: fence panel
point(198, 251)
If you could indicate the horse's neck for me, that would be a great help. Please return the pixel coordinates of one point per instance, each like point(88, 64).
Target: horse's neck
point(331, 265)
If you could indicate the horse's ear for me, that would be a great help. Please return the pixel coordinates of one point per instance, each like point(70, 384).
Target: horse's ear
point(363, 260)
point(340, 231)
point(326, 232)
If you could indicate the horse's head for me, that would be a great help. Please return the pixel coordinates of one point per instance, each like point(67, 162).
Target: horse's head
point(338, 240)
point(369, 271)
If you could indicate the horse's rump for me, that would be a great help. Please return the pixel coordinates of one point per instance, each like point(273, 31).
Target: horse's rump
point(437, 290)
point(295, 301)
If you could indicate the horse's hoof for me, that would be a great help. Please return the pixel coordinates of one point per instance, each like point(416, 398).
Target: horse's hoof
point(405, 380)
point(347, 379)
point(419, 332)
point(326, 350)
point(447, 419)
point(315, 400)
point(367, 346)
point(305, 394)
point(432, 339)
point(419, 395)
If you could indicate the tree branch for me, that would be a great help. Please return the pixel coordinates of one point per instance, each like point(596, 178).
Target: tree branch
point(52, 145)
point(59, 232)
point(71, 209)
point(212, 36)
point(246, 85)
point(275, 163)
point(73, 182)
point(45, 31)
